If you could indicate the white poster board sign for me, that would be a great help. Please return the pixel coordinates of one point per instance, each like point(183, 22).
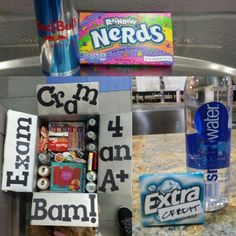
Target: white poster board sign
point(115, 150)
point(68, 99)
point(64, 209)
point(19, 152)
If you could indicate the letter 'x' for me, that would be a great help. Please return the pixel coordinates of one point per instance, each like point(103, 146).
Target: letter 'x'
point(20, 162)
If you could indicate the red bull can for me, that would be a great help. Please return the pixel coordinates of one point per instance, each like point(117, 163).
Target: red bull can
point(57, 25)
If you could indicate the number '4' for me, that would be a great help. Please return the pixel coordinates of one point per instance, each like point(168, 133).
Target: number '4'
point(117, 128)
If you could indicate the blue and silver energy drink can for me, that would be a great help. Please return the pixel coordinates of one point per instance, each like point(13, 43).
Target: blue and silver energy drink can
point(57, 24)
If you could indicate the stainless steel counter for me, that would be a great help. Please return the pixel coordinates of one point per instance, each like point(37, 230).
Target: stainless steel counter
point(182, 66)
point(147, 118)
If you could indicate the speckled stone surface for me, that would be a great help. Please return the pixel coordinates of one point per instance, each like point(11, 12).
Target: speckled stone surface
point(165, 153)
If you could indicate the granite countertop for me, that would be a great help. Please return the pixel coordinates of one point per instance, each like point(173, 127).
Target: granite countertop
point(165, 153)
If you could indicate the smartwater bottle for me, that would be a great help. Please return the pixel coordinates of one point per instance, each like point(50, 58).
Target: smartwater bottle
point(208, 118)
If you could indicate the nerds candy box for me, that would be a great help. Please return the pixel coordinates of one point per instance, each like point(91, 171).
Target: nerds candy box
point(126, 38)
point(172, 199)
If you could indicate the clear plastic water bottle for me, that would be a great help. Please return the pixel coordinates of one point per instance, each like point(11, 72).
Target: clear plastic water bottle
point(208, 118)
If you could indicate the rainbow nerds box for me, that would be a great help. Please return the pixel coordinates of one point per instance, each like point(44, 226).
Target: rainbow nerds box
point(126, 38)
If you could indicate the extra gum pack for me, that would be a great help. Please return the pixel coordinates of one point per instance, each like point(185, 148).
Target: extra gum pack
point(172, 199)
point(126, 38)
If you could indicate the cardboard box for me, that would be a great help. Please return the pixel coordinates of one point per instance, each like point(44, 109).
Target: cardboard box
point(126, 38)
point(114, 171)
point(75, 102)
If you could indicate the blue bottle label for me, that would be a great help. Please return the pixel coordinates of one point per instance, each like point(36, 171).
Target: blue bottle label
point(209, 147)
